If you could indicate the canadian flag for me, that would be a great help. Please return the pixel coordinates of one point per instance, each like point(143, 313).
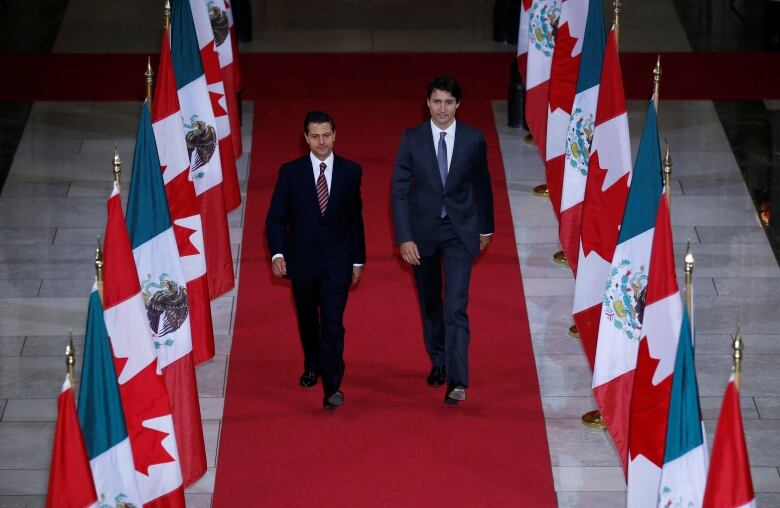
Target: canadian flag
point(563, 85)
point(141, 385)
point(204, 150)
point(206, 16)
point(542, 24)
point(579, 134)
point(220, 14)
point(609, 169)
point(70, 478)
point(729, 483)
point(661, 325)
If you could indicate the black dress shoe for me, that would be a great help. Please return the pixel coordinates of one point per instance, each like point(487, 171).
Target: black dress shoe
point(437, 376)
point(333, 400)
point(455, 394)
point(308, 379)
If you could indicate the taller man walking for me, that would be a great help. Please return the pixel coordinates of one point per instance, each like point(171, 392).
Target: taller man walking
point(443, 215)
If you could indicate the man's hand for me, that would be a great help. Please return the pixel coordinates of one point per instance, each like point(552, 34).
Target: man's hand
point(484, 240)
point(279, 267)
point(357, 272)
point(409, 253)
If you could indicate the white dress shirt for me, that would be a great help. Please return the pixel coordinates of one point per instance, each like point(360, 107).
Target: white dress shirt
point(315, 164)
point(449, 140)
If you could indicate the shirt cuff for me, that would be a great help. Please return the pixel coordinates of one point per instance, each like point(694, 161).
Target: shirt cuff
point(277, 256)
point(486, 234)
point(355, 265)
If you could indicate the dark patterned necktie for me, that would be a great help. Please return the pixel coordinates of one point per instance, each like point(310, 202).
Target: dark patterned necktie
point(322, 189)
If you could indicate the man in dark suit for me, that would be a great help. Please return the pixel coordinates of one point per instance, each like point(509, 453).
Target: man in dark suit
point(443, 215)
point(315, 234)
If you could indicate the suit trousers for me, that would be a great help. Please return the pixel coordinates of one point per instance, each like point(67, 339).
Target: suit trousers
point(320, 308)
point(443, 303)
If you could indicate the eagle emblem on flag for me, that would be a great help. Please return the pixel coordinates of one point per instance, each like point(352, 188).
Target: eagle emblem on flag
point(219, 23)
point(579, 139)
point(624, 299)
point(202, 140)
point(166, 306)
point(543, 27)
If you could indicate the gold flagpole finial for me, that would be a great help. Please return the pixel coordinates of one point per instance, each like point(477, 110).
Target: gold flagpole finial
point(149, 75)
point(617, 5)
point(70, 359)
point(657, 82)
point(738, 345)
point(117, 167)
point(667, 163)
point(167, 14)
point(688, 260)
point(99, 268)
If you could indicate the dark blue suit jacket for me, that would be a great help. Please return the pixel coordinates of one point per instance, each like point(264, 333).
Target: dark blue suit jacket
point(418, 194)
point(316, 245)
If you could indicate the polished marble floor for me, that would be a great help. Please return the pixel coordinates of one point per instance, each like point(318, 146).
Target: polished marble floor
point(52, 208)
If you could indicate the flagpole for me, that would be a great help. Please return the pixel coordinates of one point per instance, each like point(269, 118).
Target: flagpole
point(667, 163)
point(657, 82)
point(99, 268)
point(616, 5)
point(70, 360)
point(149, 75)
point(117, 167)
point(689, 284)
point(167, 15)
point(737, 345)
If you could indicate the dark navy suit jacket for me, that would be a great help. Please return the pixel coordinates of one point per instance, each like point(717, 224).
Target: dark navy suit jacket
point(313, 244)
point(418, 193)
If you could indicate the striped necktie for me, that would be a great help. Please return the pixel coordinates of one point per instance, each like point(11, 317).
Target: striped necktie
point(322, 189)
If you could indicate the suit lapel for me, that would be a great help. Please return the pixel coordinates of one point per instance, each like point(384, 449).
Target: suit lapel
point(457, 149)
point(434, 165)
point(309, 184)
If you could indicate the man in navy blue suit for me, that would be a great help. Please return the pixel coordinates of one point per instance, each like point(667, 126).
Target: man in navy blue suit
point(443, 215)
point(315, 234)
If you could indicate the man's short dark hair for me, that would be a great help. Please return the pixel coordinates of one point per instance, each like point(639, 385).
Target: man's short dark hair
point(445, 83)
point(318, 117)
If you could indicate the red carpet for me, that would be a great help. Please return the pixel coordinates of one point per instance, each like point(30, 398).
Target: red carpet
point(394, 443)
point(102, 77)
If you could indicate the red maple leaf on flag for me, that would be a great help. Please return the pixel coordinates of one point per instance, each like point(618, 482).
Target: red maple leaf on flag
point(183, 234)
point(603, 211)
point(218, 109)
point(649, 409)
point(141, 405)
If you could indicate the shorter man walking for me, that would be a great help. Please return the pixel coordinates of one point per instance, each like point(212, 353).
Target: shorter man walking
point(315, 234)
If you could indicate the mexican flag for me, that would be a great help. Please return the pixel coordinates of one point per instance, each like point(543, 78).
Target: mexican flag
point(563, 86)
point(101, 415)
point(164, 290)
point(204, 150)
point(182, 204)
point(623, 304)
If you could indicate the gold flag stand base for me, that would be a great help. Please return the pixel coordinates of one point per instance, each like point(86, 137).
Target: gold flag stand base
point(593, 420)
point(560, 258)
point(542, 191)
point(529, 140)
point(574, 332)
